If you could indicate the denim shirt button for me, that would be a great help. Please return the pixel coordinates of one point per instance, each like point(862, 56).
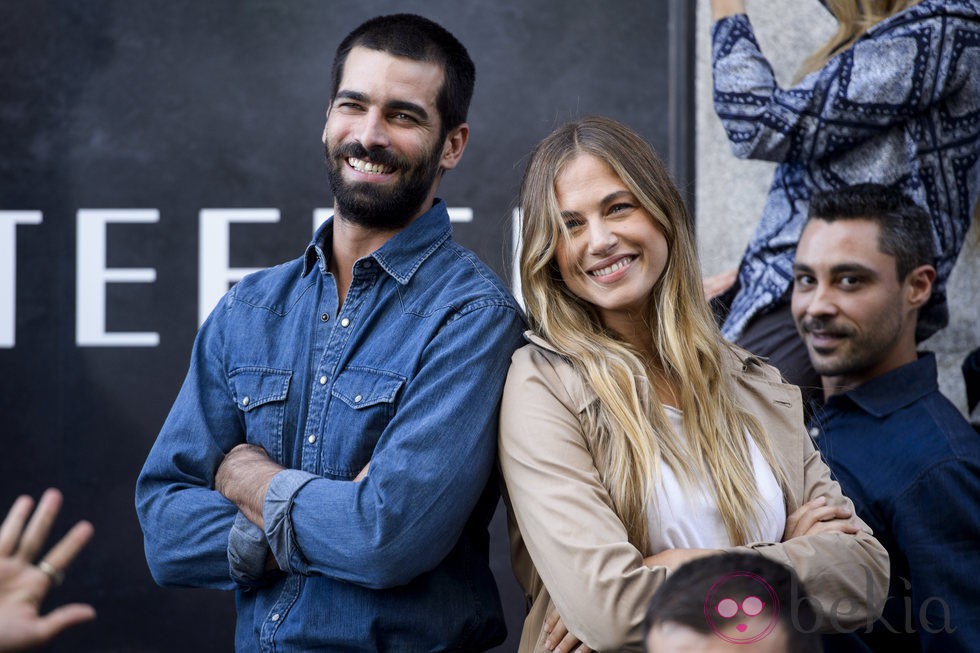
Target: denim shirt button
point(345, 323)
point(324, 317)
point(311, 439)
point(244, 401)
point(323, 380)
point(275, 617)
point(357, 399)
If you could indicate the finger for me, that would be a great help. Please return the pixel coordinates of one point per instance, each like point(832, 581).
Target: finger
point(567, 643)
point(550, 621)
point(13, 524)
point(557, 635)
point(61, 554)
point(64, 617)
point(797, 514)
point(361, 474)
point(815, 516)
point(40, 525)
point(836, 525)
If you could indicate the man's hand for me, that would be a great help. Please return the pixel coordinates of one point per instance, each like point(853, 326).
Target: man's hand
point(24, 584)
point(815, 516)
point(244, 476)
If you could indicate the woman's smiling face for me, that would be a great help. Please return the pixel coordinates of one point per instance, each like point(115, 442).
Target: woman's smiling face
point(617, 252)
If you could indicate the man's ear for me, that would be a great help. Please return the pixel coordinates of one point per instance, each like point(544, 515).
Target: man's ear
point(452, 149)
point(919, 285)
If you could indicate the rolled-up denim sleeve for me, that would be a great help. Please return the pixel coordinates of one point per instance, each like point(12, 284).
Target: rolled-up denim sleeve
point(247, 552)
point(277, 518)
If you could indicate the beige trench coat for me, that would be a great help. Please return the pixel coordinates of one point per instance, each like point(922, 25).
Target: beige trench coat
point(570, 550)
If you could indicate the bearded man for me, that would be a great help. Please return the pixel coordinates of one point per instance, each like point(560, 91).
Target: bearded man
point(904, 455)
point(330, 453)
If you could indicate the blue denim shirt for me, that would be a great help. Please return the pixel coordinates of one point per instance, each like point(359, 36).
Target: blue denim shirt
point(901, 107)
point(911, 463)
point(407, 375)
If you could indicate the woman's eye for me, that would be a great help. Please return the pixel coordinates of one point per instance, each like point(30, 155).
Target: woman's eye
point(619, 208)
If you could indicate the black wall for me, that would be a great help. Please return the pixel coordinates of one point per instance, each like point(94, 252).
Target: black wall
point(184, 105)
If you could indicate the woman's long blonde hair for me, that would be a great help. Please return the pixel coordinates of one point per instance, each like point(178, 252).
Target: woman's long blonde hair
point(854, 18)
point(632, 434)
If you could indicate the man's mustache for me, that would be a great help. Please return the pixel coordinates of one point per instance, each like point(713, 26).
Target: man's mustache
point(358, 151)
point(825, 327)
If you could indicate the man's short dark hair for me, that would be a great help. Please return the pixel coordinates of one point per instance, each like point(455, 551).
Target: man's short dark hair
point(904, 227)
point(681, 598)
point(420, 39)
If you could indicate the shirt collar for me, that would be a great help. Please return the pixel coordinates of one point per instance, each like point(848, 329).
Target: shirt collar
point(404, 252)
point(896, 389)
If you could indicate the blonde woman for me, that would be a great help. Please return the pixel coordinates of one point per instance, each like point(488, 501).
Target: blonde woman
point(632, 436)
point(893, 98)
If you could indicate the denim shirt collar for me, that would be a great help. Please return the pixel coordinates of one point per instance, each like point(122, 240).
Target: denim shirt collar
point(404, 252)
point(893, 390)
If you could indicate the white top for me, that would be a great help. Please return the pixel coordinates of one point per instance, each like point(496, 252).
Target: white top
point(681, 519)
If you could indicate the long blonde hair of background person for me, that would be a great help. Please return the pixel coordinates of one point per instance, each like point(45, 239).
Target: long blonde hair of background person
point(631, 429)
point(854, 18)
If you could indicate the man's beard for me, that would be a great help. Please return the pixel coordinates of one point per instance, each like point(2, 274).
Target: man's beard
point(859, 351)
point(372, 205)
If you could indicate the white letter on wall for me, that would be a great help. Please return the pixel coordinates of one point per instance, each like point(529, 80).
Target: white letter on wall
point(214, 254)
point(8, 270)
point(92, 275)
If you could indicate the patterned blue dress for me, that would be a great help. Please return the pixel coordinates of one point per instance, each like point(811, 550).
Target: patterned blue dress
point(900, 107)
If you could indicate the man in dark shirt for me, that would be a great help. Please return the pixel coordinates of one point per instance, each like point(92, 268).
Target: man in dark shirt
point(900, 450)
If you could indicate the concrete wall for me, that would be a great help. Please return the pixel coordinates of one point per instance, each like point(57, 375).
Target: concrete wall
point(730, 192)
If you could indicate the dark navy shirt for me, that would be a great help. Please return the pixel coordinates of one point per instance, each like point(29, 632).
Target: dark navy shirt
point(407, 375)
point(911, 463)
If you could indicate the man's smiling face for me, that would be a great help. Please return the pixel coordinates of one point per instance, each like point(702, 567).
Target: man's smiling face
point(384, 148)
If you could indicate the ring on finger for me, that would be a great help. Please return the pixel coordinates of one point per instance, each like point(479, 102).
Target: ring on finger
point(57, 577)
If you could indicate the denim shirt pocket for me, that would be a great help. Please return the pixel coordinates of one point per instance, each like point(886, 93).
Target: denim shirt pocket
point(365, 400)
point(260, 393)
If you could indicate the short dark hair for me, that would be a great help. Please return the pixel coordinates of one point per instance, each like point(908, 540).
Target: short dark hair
point(420, 39)
point(681, 598)
point(904, 227)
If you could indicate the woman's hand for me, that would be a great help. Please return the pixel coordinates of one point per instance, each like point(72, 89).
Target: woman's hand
point(559, 639)
point(718, 283)
point(24, 583)
point(815, 516)
point(722, 8)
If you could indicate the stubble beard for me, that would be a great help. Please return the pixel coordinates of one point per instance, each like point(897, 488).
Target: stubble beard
point(859, 351)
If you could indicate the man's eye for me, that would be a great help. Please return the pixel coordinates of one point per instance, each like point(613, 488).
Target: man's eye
point(803, 280)
point(849, 282)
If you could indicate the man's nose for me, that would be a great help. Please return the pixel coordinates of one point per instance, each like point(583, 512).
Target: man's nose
point(373, 130)
point(822, 301)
